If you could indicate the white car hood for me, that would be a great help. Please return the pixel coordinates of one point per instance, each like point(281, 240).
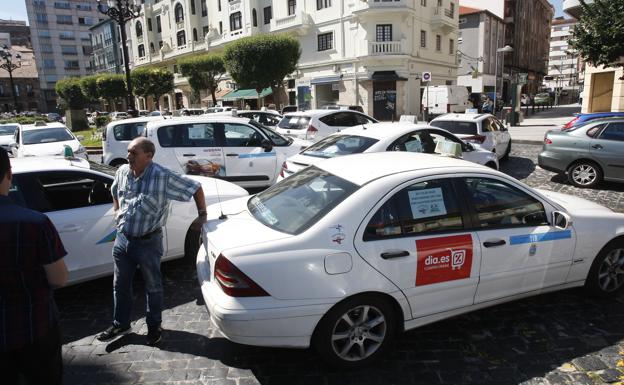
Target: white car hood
point(239, 228)
point(573, 204)
point(55, 148)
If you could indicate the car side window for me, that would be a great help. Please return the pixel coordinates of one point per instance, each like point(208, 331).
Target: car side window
point(614, 131)
point(187, 135)
point(344, 119)
point(499, 205)
point(424, 207)
point(329, 120)
point(594, 131)
point(128, 131)
point(361, 119)
point(239, 135)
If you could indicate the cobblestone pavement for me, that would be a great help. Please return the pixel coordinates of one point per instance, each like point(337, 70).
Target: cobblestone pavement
point(560, 338)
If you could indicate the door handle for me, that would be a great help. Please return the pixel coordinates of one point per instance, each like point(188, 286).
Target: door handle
point(188, 154)
point(500, 242)
point(231, 154)
point(394, 254)
point(597, 147)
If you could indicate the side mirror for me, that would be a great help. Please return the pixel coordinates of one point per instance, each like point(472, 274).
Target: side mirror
point(469, 146)
point(13, 145)
point(266, 145)
point(561, 220)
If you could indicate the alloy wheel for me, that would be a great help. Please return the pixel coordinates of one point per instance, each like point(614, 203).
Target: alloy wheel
point(584, 174)
point(359, 333)
point(611, 272)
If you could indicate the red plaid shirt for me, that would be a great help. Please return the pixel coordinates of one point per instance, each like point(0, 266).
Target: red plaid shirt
point(28, 241)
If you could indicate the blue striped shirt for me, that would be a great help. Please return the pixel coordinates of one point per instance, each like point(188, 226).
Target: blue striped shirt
point(144, 200)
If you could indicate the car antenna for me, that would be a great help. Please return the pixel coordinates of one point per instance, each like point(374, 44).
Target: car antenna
point(222, 216)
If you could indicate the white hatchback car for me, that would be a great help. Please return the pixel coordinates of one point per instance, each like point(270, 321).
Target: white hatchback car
point(316, 124)
point(75, 195)
point(483, 129)
point(378, 137)
point(238, 150)
point(347, 253)
point(45, 139)
point(118, 135)
point(7, 134)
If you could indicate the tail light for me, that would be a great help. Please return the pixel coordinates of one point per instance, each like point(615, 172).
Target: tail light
point(311, 132)
point(476, 139)
point(284, 167)
point(234, 282)
point(569, 124)
point(547, 140)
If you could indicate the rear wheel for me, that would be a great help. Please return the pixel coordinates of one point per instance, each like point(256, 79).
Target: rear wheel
point(356, 332)
point(606, 275)
point(192, 243)
point(584, 174)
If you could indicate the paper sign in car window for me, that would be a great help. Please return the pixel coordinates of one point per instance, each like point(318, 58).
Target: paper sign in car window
point(264, 212)
point(443, 259)
point(293, 120)
point(427, 203)
point(196, 132)
point(414, 146)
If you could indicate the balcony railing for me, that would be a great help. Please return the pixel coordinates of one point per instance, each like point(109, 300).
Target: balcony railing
point(379, 48)
point(139, 39)
point(443, 18)
point(180, 25)
point(299, 22)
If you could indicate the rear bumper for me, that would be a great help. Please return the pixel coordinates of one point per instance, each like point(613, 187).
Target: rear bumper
point(552, 161)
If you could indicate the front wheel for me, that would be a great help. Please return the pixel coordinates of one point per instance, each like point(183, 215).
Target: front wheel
point(356, 331)
point(606, 275)
point(584, 174)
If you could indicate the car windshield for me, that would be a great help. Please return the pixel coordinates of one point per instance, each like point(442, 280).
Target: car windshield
point(7, 129)
point(277, 139)
point(47, 135)
point(456, 127)
point(103, 168)
point(294, 122)
point(299, 201)
point(338, 145)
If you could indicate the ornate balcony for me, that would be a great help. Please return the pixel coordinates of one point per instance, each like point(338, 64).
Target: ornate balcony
point(300, 23)
point(383, 48)
point(443, 19)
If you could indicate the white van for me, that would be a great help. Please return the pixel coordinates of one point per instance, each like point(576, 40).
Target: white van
point(118, 134)
point(438, 100)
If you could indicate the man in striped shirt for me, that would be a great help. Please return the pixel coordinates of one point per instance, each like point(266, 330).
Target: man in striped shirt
point(31, 265)
point(141, 192)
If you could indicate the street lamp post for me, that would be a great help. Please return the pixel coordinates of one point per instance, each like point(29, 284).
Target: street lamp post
point(122, 11)
point(506, 48)
point(10, 66)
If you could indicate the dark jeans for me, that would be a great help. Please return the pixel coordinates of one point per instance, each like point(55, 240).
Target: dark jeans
point(128, 254)
point(39, 363)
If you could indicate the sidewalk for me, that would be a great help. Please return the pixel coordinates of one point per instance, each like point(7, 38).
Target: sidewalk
point(533, 128)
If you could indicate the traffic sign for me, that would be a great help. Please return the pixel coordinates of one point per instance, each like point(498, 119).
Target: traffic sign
point(522, 77)
point(426, 76)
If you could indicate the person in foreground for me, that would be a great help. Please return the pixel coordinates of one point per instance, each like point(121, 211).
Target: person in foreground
point(31, 266)
point(141, 192)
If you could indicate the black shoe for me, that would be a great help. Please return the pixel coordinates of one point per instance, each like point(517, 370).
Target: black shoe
point(154, 335)
point(112, 332)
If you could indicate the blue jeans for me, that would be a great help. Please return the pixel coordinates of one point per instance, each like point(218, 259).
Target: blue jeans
point(128, 254)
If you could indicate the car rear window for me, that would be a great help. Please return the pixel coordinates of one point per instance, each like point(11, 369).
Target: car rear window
point(458, 128)
point(338, 145)
point(298, 202)
point(128, 131)
point(47, 135)
point(294, 122)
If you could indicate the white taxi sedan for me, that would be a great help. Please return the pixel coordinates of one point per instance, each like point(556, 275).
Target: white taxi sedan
point(75, 195)
point(379, 137)
point(347, 253)
point(45, 139)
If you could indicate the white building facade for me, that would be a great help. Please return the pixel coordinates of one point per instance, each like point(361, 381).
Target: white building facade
point(563, 61)
point(368, 53)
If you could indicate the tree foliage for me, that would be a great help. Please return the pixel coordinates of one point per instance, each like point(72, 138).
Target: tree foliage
point(599, 34)
point(152, 81)
point(262, 61)
point(70, 91)
point(88, 85)
point(111, 87)
point(203, 73)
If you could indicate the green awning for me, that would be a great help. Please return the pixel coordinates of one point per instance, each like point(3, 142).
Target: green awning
point(247, 93)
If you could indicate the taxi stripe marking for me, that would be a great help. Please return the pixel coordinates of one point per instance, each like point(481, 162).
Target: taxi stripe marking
point(539, 237)
point(258, 155)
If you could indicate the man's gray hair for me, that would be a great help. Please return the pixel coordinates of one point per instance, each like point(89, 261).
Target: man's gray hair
point(146, 145)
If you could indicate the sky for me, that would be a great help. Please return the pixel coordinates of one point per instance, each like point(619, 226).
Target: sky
point(18, 11)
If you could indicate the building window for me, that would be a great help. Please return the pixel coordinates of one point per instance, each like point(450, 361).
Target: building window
point(194, 34)
point(204, 9)
point(236, 21)
point(219, 5)
point(66, 35)
point(438, 43)
point(254, 17)
point(220, 28)
point(72, 65)
point(325, 41)
point(48, 63)
point(139, 29)
point(44, 34)
point(152, 50)
point(62, 5)
point(87, 49)
point(69, 50)
point(423, 39)
point(86, 21)
point(192, 7)
point(179, 13)
point(83, 7)
point(158, 25)
point(268, 15)
point(41, 18)
point(160, 44)
point(451, 46)
point(85, 36)
point(46, 48)
point(64, 19)
point(205, 31)
point(181, 38)
point(423, 3)
point(141, 50)
point(452, 10)
point(320, 4)
point(383, 32)
point(292, 4)
point(149, 24)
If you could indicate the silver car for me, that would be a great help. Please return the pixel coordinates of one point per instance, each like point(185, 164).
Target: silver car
point(588, 154)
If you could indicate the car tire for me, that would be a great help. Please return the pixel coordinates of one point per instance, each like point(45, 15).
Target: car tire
point(192, 242)
point(364, 340)
point(118, 162)
point(584, 174)
point(606, 275)
point(507, 152)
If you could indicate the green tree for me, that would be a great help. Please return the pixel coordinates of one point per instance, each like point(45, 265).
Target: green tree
point(262, 61)
point(599, 34)
point(88, 85)
point(70, 91)
point(203, 72)
point(152, 81)
point(111, 87)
